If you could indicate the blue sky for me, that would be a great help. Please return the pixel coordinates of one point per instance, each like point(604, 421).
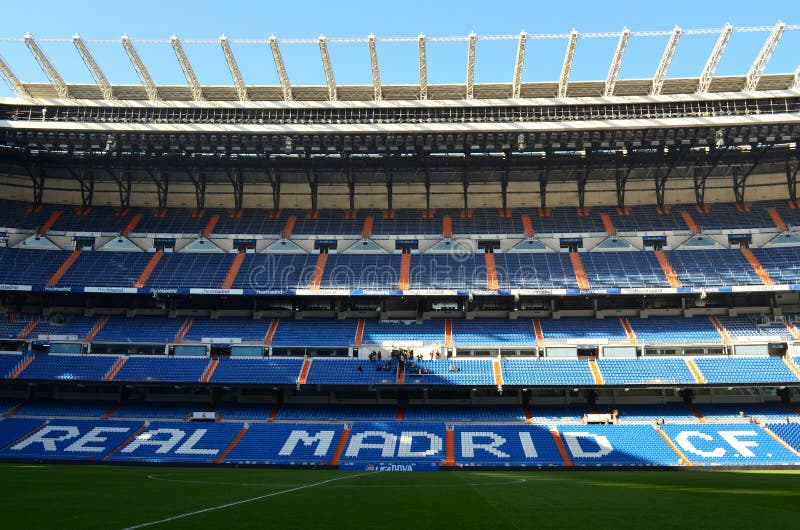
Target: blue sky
point(147, 19)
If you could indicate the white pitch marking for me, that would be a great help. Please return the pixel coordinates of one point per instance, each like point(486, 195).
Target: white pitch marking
point(244, 501)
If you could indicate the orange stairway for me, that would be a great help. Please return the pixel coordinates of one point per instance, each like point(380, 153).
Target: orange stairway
point(491, 272)
point(16, 408)
point(212, 365)
point(49, 223)
point(405, 272)
point(340, 447)
point(110, 412)
point(182, 333)
point(699, 415)
point(274, 412)
point(27, 331)
point(233, 271)
point(448, 332)
point(498, 372)
point(528, 414)
point(580, 274)
point(148, 270)
point(96, 329)
point(366, 232)
point(447, 227)
point(301, 380)
point(527, 226)
point(608, 224)
point(21, 366)
point(135, 220)
point(115, 369)
point(62, 270)
point(689, 220)
point(537, 327)
point(777, 219)
point(753, 260)
point(319, 270)
point(273, 327)
point(562, 450)
point(221, 457)
point(787, 360)
point(628, 329)
point(698, 377)
point(672, 446)
point(780, 441)
point(401, 413)
point(792, 329)
point(210, 226)
point(128, 440)
point(449, 448)
point(721, 330)
point(400, 375)
point(598, 377)
point(666, 266)
point(289, 227)
point(359, 332)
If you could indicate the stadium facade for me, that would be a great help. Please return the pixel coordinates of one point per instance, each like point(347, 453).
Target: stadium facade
point(399, 277)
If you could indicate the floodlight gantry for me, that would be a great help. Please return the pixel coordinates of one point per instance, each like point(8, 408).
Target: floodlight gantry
point(566, 68)
point(713, 60)
point(423, 69)
point(519, 65)
point(11, 79)
point(188, 71)
point(286, 87)
point(47, 66)
point(233, 66)
point(94, 68)
point(376, 73)
point(141, 70)
point(666, 60)
point(760, 64)
point(326, 65)
point(616, 63)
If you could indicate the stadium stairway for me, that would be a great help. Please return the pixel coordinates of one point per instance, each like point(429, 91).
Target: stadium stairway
point(405, 272)
point(230, 277)
point(449, 447)
point(273, 327)
point(580, 273)
point(319, 270)
point(671, 444)
point(698, 377)
point(185, 328)
point(726, 338)
point(340, 446)
point(491, 272)
point(562, 450)
point(690, 223)
point(232, 445)
point(628, 329)
point(777, 219)
point(49, 223)
point(96, 329)
point(132, 224)
point(62, 270)
point(301, 379)
point(527, 226)
point(666, 266)
point(148, 270)
point(760, 271)
point(115, 369)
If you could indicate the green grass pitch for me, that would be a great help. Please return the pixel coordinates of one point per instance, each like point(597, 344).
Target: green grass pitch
point(109, 497)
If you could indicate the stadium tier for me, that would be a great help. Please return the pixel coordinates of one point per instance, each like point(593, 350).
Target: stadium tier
point(402, 277)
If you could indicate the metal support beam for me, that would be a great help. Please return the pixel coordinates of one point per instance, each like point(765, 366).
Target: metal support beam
point(673, 157)
point(714, 59)
point(198, 178)
point(544, 176)
point(661, 176)
point(312, 178)
point(795, 81)
point(566, 68)
point(326, 65)
point(700, 176)
point(760, 64)
point(37, 175)
point(141, 69)
point(616, 63)
point(622, 173)
point(161, 180)
point(740, 179)
point(85, 180)
point(504, 180)
point(286, 87)
point(351, 181)
point(387, 169)
point(791, 179)
point(666, 60)
point(583, 178)
point(11, 79)
point(427, 167)
point(376, 73)
point(123, 180)
point(274, 176)
point(423, 69)
point(47, 66)
point(188, 71)
point(466, 178)
point(471, 66)
point(94, 68)
point(236, 178)
point(233, 66)
point(519, 65)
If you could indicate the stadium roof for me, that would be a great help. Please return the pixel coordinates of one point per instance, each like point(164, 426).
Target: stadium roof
point(103, 89)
